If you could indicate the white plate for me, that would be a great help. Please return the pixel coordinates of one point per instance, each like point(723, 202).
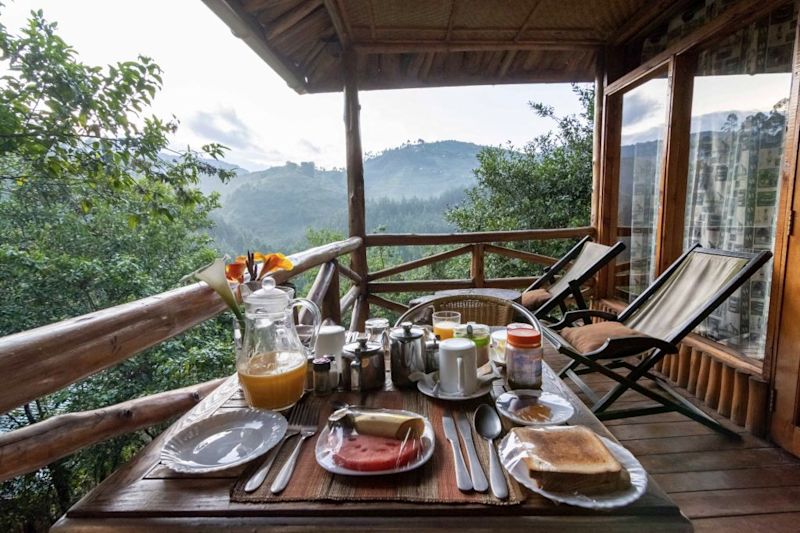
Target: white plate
point(560, 409)
point(519, 471)
point(324, 453)
point(426, 389)
point(223, 441)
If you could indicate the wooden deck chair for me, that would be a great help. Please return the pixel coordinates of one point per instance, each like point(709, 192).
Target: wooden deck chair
point(574, 269)
point(650, 328)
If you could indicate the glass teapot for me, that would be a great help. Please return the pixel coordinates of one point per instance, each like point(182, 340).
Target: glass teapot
point(272, 362)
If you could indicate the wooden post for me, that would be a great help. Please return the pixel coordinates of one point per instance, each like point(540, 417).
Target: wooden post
point(684, 365)
point(702, 377)
point(714, 378)
point(675, 166)
point(694, 370)
point(758, 393)
point(674, 361)
point(740, 395)
point(355, 181)
point(726, 390)
point(331, 306)
point(476, 271)
point(599, 96)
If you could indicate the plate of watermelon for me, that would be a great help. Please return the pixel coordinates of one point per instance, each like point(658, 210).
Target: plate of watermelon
point(374, 442)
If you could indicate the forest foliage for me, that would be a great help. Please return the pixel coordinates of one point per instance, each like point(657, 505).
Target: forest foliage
point(93, 215)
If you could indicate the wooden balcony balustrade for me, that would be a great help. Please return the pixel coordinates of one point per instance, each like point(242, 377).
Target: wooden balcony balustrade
point(71, 350)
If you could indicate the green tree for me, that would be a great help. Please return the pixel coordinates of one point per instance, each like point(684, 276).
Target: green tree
point(94, 212)
point(546, 184)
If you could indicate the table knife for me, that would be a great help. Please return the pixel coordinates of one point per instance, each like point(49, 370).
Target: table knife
point(479, 481)
point(463, 482)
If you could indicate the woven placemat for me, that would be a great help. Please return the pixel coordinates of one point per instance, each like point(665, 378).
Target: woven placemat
point(433, 482)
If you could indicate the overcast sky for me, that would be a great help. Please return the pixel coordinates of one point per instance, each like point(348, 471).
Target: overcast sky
point(221, 91)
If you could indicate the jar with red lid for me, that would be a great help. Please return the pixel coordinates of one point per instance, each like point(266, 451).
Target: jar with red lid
point(524, 358)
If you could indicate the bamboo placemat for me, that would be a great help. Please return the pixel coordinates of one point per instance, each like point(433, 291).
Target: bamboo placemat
point(433, 482)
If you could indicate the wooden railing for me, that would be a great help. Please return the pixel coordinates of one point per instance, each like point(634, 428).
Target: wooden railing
point(477, 245)
point(50, 358)
point(47, 359)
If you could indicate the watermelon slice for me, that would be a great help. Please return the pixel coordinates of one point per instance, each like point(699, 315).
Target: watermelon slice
point(369, 453)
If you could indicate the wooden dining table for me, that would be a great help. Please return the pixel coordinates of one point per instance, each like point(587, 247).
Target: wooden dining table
point(144, 495)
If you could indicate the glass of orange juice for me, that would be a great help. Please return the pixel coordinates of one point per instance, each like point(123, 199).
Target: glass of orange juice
point(444, 322)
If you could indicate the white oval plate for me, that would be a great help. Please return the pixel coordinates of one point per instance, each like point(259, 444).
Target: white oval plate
point(519, 471)
point(223, 441)
point(324, 453)
point(560, 409)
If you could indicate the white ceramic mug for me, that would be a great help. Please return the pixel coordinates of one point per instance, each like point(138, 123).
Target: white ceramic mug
point(330, 341)
point(458, 366)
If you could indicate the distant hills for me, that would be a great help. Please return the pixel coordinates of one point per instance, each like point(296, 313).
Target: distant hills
point(408, 189)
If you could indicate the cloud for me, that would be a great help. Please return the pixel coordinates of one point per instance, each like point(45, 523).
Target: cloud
point(308, 145)
point(638, 107)
point(224, 127)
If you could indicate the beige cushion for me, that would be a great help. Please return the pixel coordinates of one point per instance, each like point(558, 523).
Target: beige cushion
point(535, 298)
point(593, 336)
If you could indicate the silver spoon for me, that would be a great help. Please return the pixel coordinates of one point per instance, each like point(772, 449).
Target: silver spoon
point(487, 424)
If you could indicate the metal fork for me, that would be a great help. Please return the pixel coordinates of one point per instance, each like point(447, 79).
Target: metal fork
point(306, 423)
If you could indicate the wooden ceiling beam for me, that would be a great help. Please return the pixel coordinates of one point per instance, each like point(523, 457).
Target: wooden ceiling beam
point(450, 20)
point(402, 47)
point(287, 20)
point(342, 30)
point(647, 19)
point(528, 20)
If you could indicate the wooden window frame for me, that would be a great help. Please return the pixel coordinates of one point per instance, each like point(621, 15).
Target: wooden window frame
point(679, 61)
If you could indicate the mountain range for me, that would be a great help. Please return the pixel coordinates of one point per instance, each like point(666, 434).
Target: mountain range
point(407, 189)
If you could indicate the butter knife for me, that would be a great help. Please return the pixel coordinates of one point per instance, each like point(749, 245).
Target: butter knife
point(479, 481)
point(463, 482)
point(258, 478)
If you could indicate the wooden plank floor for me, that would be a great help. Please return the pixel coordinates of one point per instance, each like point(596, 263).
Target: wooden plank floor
point(720, 484)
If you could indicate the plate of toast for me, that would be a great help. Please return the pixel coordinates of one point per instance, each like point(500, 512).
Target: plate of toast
point(573, 465)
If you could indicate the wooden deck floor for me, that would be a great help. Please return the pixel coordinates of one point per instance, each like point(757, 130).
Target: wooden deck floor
point(720, 484)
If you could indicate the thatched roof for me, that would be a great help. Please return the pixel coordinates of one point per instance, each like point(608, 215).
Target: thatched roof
point(425, 43)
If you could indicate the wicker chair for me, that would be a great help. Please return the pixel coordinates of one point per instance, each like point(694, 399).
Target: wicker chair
point(473, 308)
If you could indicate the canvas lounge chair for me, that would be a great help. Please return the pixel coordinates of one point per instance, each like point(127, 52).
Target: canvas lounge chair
point(564, 279)
point(626, 346)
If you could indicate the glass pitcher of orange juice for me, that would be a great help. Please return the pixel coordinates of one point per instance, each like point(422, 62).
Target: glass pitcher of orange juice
point(272, 362)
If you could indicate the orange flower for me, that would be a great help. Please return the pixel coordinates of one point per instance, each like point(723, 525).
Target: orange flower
point(235, 271)
point(273, 262)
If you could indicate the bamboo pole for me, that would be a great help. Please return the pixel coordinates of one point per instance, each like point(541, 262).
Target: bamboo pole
point(741, 385)
point(694, 370)
point(528, 257)
point(355, 180)
point(413, 239)
point(476, 270)
point(391, 305)
point(714, 379)
point(702, 377)
point(417, 263)
point(726, 391)
point(32, 447)
point(758, 400)
point(684, 365)
point(331, 306)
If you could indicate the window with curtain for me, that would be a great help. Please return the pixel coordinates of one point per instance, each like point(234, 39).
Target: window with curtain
point(741, 91)
point(642, 143)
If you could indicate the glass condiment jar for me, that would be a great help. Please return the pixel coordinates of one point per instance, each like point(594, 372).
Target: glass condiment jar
point(322, 377)
point(524, 358)
point(477, 333)
point(272, 362)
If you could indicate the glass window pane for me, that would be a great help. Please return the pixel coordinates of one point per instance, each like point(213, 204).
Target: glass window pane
point(643, 129)
point(741, 91)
